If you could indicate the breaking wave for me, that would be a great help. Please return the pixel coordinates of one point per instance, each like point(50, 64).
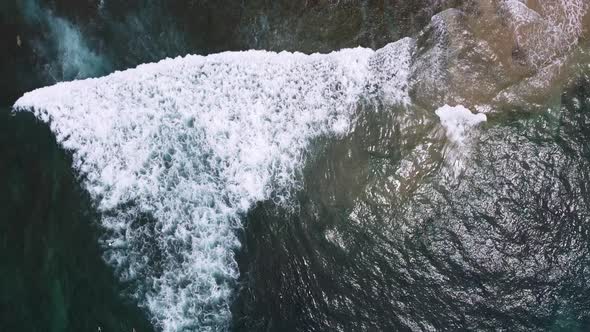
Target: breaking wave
point(175, 152)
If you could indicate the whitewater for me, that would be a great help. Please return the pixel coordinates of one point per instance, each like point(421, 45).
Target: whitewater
point(175, 153)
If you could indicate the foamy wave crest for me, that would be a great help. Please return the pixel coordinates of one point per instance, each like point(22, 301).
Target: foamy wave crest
point(175, 152)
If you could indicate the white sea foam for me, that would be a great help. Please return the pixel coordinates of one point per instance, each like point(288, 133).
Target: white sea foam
point(193, 143)
point(459, 124)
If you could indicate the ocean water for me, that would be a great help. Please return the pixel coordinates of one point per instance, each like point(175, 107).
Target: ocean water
point(347, 191)
point(502, 247)
point(52, 277)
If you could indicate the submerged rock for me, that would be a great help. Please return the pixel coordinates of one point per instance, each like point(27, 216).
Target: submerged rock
point(497, 54)
point(327, 25)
